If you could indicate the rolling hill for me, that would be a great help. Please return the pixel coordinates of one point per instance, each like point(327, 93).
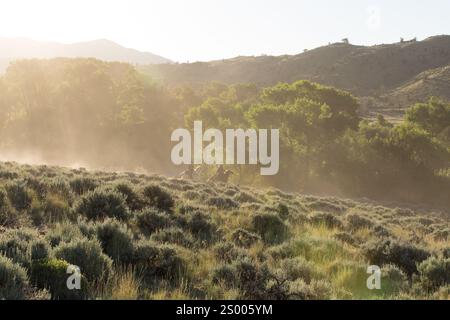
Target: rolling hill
point(366, 71)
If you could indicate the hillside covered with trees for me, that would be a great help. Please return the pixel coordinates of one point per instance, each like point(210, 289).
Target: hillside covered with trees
point(108, 115)
point(379, 72)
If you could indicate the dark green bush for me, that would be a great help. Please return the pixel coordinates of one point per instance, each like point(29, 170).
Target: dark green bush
point(345, 237)
point(201, 227)
point(405, 256)
point(381, 231)
point(316, 290)
point(102, 203)
point(8, 216)
point(244, 238)
point(51, 274)
point(132, 198)
point(283, 210)
point(270, 227)
point(16, 244)
point(292, 269)
point(356, 221)
point(252, 279)
point(115, 240)
point(393, 280)
point(228, 252)
point(434, 272)
point(38, 186)
point(63, 233)
point(61, 187)
point(150, 220)
point(88, 256)
point(224, 203)
point(243, 197)
point(13, 280)
point(156, 261)
point(328, 219)
point(224, 274)
point(173, 235)
point(20, 196)
point(81, 185)
point(158, 197)
point(446, 252)
point(40, 249)
point(325, 206)
point(53, 209)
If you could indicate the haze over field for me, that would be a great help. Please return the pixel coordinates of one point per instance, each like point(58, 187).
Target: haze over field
point(355, 95)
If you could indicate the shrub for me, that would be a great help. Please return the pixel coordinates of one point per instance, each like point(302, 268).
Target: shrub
point(157, 261)
point(81, 185)
point(102, 203)
point(224, 203)
point(381, 231)
point(15, 244)
point(243, 197)
point(40, 249)
point(115, 240)
point(441, 235)
point(228, 252)
point(132, 198)
point(173, 235)
point(13, 280)
point(37, 186)
point(327, 219)
point(87, 228)
point(224, 274)
point(244, 238)
point(201, 227)
point(316, 290)
point(251, 279)
point(325, 205)
point(20, 196)
point(157, 197)
point(345, 237)
point(51, 274)
point(54, 209)
point(293, 248)
point(63, 233)
point(191, 195)
point(283, 210)
point(60, 187)
point(8, 216)
point(356, 221)
point(434, 272)
point(87, 255)
point(446, 252)
point(150, 220)
point(298, 268)
point(270, 227)
point(403, 255)
point(393, 280)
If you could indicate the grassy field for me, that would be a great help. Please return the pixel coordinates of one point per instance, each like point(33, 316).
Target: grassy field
point(150, 237)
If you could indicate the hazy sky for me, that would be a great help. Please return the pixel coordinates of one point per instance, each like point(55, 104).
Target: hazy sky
point(191, 30)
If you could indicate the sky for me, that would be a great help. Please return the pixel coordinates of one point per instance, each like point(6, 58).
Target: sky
point(201, 30)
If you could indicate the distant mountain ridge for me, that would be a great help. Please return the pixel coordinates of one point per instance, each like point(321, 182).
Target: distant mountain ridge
point(365, 71)
point(20, 48)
